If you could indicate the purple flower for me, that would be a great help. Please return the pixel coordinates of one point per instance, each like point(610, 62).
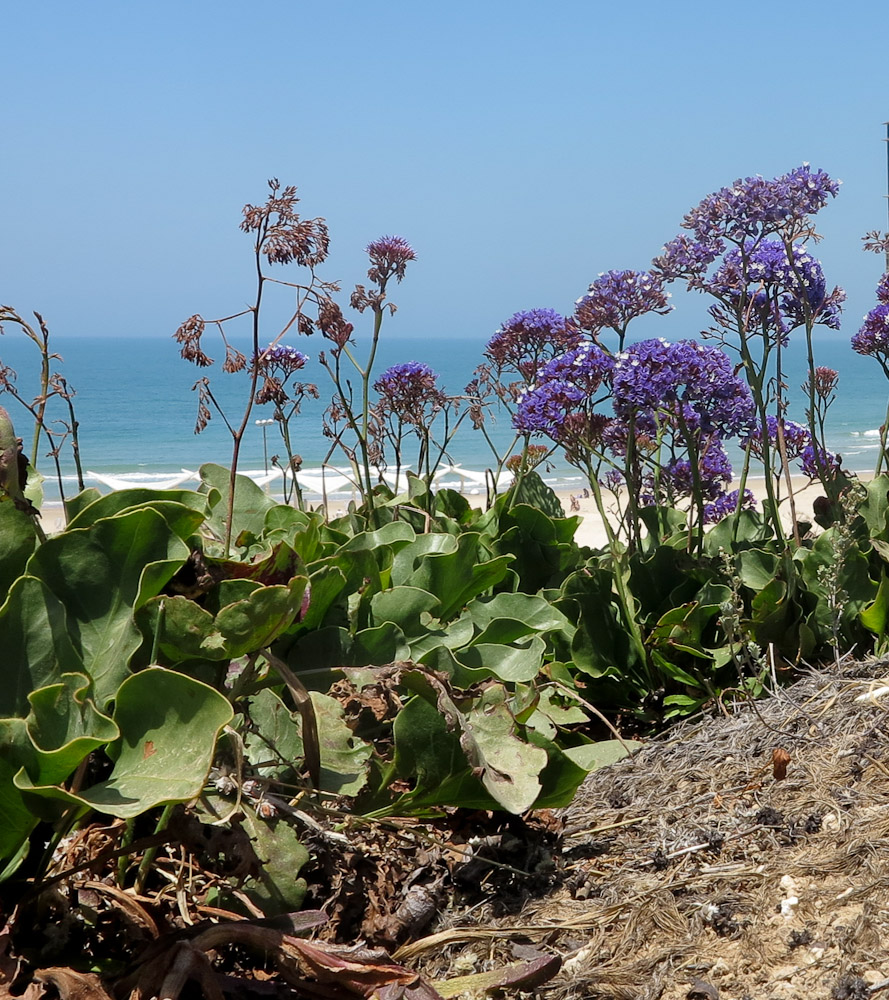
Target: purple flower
point(617, 297)
point(561, 404)
point(544, 409)
point(786, 289)
point(796, 438)
point(816, 461)
point(713, 473)
point(755, 207)
point(883, 289)
point(586, 366)
point(684, 257)
point(529, 339)
point(281, 361)
point(389, 257)
point(410, 392)
point(727, 503)
point(873, 337)
point(685, 381)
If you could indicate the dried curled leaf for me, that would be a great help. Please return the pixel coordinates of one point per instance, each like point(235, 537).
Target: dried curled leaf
point(780, 760)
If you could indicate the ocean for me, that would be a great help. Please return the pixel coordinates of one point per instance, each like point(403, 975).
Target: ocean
point(136, 408)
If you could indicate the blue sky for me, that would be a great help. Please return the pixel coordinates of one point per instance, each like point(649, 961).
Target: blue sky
point(522, 148)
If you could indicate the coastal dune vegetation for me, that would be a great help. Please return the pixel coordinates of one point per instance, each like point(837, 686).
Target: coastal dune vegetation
point(237, 683)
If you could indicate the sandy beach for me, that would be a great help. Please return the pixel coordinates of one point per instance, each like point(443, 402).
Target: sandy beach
point(591, 530)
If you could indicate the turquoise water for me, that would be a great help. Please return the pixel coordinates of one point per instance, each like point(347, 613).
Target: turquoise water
point(137, 409)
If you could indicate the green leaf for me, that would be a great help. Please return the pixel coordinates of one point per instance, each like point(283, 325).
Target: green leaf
point(513, 663)
point(395, 535)
point(535, 612)
point(875, 616)
point(405, 607)
point(277, 736)
point(273, 886)
point(507, 767)
point(410, 557)
point(169, 724)
point(533, 492)
point(875, 509)
point(250, 507)
point(458, 577)
point(183, 510)
point(18, 538)
point(258, 620)
point(324, 648)
point(757, 568)
point(102, 574)
point(592, 756)
point(37, 649)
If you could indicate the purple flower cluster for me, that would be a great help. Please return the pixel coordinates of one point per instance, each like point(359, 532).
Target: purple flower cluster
point(529, 339)
point(617, 297)
point(727, 504)
point(565, 386)
point(409, 391)
point(714, 472)
point(281, 361)
point(796, 437)
point(787, 289)
point(756, 207)
point(684, 382)
point(873, 337)
point(389, 257)
point(746, 214)
point(798, 444)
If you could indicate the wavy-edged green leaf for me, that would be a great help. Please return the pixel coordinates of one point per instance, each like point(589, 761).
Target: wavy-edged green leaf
point(102, 574)
point(475, 763)
point(251, 504)
point(592, 756)
point(168, 503)
point(18, 538)
point(169, 724)
point(459, 576)
point(275, 739)
point(536, 612)
point(406, 608)
point(37, 648)
point(513, 663)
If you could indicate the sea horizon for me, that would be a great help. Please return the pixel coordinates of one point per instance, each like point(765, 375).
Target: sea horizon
point(136, 408)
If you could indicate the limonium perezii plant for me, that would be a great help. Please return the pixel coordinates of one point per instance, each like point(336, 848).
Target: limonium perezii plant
point(654, 417)
point(748, 249)
point(872, 340)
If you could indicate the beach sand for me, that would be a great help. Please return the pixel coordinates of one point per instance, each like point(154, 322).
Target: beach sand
point(591, 531)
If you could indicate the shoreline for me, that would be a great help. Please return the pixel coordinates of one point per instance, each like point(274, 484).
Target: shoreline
point(590, 532)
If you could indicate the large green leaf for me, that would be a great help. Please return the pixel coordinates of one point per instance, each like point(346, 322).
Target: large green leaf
point(18, 537)
point(407, 607)
point(37, 649)
point(513, 663)
point(472, 759)
point(409, 558)
point(275, 739)
point(459, 576)
point(168, 503)
point(592, 756)
point(169, 724)
point(537, 613)
point(102, 574)
point(62, 727)
point(250, 507)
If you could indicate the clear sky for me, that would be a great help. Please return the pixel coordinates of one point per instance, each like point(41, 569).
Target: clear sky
point(521, 147)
